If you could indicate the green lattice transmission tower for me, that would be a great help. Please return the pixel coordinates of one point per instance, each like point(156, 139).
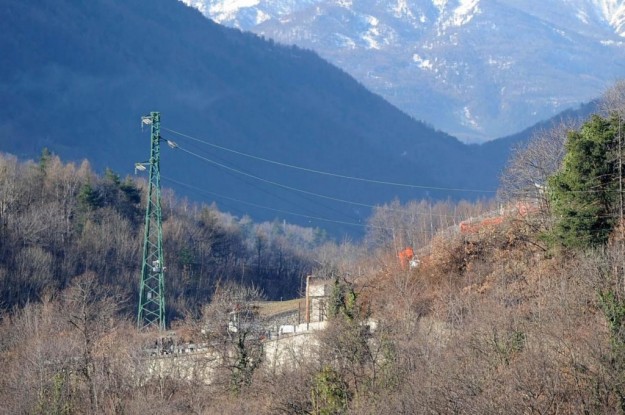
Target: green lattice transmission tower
point(152, 288)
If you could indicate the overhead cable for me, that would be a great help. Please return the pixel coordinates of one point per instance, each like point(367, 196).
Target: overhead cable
point(325, 173)
point(273, 209)
point(335, 199)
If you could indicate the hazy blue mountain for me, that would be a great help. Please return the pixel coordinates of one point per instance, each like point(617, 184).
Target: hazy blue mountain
point(76, 76)
point(492, 150)
point(477, 69)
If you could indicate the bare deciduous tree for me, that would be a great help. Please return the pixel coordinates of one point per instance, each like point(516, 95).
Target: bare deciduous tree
point(229, 324)
point(613, 100)
point(91, 310)
point(525, 177)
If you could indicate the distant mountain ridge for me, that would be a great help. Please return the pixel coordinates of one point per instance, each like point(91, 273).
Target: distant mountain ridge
point(474, 68)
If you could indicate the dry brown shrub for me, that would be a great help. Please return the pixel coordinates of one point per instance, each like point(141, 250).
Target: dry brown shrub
point(448, 256)
point(516, 332)
point(284, 392)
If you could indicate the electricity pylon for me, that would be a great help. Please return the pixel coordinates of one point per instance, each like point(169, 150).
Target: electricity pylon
point(152, 288)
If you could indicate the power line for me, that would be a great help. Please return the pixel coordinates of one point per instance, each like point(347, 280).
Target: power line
point(246, 174)
point(335, 199)
point(237, 169)
point(361, 179)
point(274, 209)
point(325, 173)
point(370, 226)
point(271, 182)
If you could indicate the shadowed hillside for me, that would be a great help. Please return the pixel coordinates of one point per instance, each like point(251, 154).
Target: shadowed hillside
point(79, 74)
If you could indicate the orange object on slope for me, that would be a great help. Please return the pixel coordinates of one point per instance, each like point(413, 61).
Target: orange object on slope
point(405, 256)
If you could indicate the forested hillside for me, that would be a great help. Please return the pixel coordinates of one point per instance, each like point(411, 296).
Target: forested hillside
point(60, 221)
point(513, 310)
point(517, 309)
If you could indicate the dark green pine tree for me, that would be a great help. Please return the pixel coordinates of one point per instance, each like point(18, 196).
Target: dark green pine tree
point(585, 191)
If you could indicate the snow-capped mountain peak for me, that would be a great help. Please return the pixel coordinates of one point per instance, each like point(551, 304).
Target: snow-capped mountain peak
point(614, 13)
point(476, 69)
point(462, 13)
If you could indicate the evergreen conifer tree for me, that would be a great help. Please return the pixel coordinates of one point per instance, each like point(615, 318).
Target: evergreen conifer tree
point(584, 192)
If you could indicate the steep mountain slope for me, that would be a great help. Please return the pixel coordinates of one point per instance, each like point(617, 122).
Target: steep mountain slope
point(476, 69)
point(77, 75)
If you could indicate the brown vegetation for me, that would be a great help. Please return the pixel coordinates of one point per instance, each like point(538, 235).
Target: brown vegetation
point(59, 221)
point(491, 321)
